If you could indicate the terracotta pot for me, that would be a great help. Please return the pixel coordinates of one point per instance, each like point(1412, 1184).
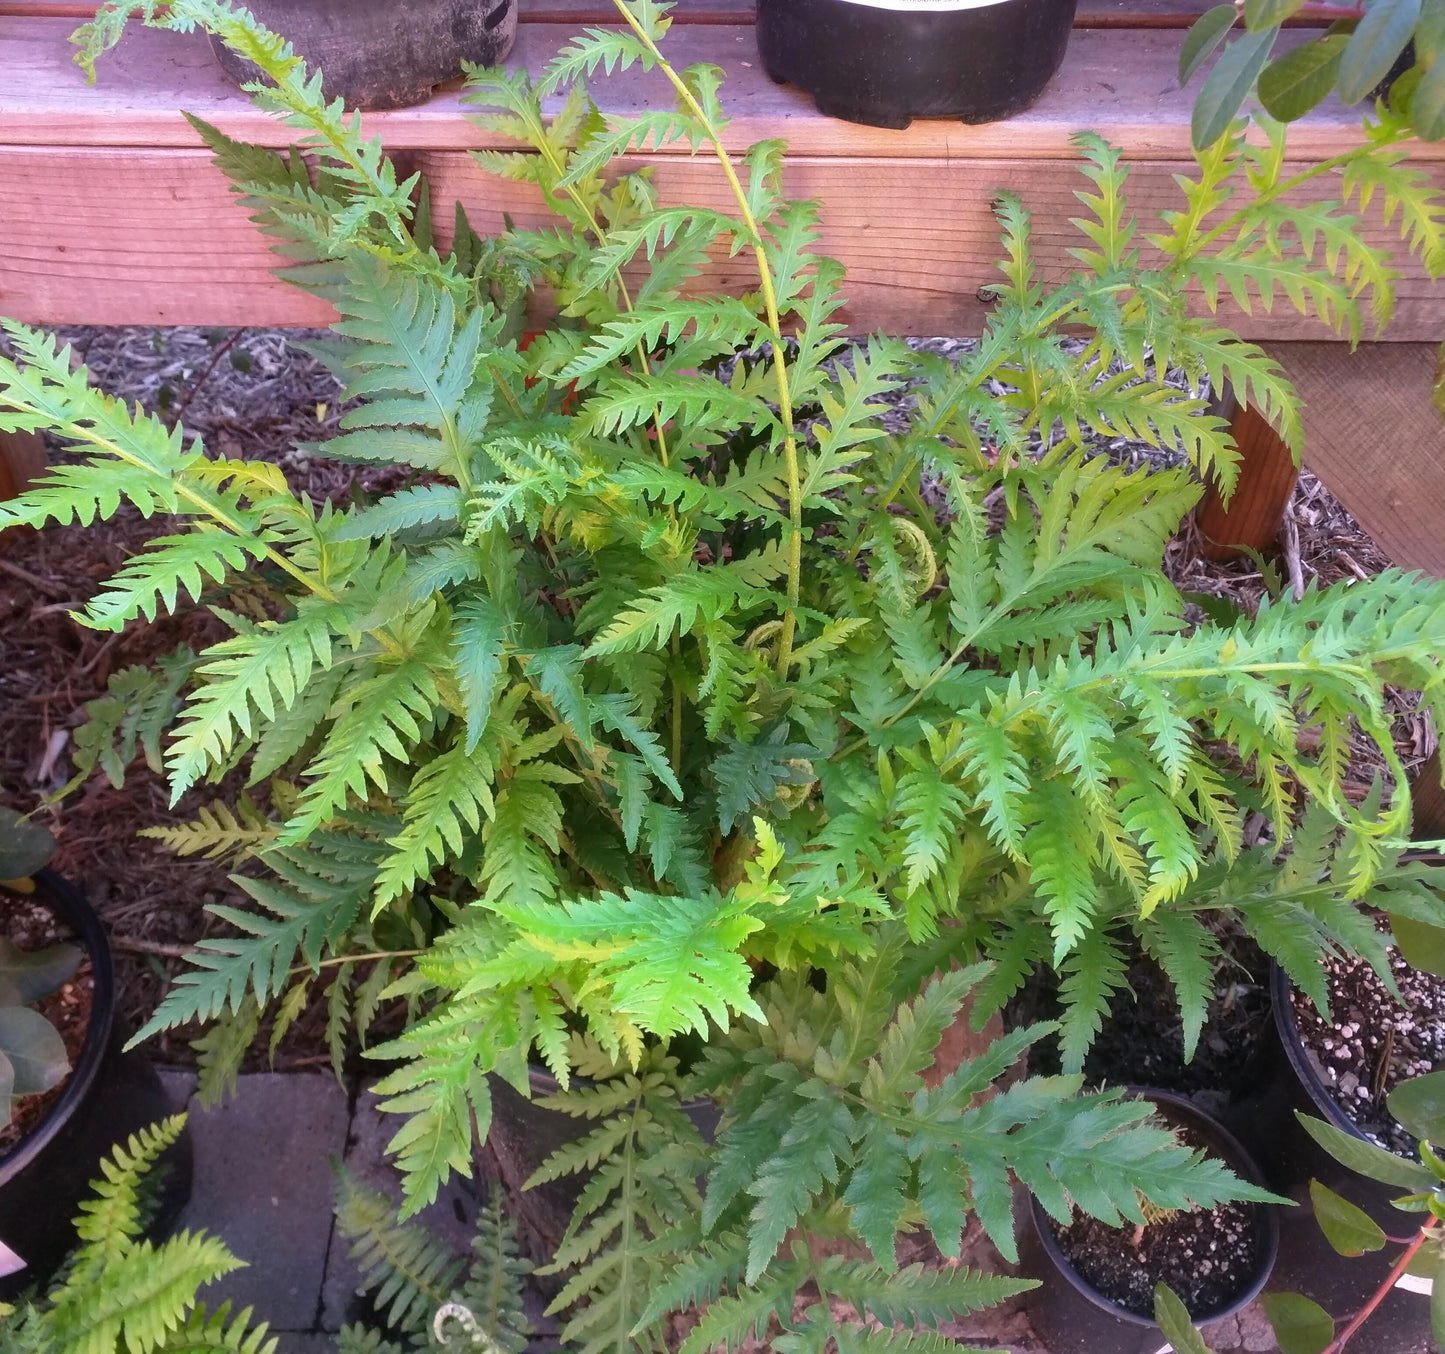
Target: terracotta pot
point(384, 53)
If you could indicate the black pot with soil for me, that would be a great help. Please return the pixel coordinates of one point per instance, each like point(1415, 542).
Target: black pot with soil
point(383, 53)
point(108, 1095)
point(1341, 1073)
point(1097, 1282)
point(886, 62)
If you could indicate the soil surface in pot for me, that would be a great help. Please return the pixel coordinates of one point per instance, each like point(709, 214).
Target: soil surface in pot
point(1207, 1256)
point(31, 926)
point(1374, 1043)
point(1141, 1042)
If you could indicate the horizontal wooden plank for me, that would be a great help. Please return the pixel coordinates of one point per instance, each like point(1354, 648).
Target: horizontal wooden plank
point(1119, 83)
point(1089, 13)
point(154, 237)
point(1374, 436)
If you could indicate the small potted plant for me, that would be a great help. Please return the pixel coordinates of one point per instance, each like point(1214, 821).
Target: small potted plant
point(67, 1094)
point(1098, 1283)
point(1412, 1266)
point(1373, 1026)
point(886, 62)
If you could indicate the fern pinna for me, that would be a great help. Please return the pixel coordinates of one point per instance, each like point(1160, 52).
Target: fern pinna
point(672, 668)
point(121, 1291)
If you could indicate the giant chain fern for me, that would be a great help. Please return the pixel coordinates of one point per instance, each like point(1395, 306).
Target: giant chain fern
point(672, 664)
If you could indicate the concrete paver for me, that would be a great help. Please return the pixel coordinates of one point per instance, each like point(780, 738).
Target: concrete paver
point(451, 1217)
point(263, 1183)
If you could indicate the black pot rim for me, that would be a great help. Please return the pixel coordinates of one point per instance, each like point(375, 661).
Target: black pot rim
point(1244, 1165)
point(1288, 1030)
point(66, 901)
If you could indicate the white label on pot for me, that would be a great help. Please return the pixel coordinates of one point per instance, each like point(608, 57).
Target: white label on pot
point(10, 1263)
point(1416, 1283)
point(925, 6)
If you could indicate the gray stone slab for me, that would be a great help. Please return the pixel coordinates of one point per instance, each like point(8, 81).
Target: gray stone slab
point(180, 1084)
point(451, 1217)
point(263, 1183)
point(295, 1342)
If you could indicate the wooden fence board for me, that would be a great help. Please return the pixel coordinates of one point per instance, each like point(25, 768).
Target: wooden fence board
point(919, 240)
point(1119, 83)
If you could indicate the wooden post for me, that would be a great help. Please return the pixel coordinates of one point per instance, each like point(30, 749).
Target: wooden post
point(22, 459)
point(1267, 477)
point(1429, 801)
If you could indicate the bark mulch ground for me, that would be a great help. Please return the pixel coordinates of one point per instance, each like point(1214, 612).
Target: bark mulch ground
point(255, 393)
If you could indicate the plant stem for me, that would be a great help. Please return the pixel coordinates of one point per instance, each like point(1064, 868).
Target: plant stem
point(1379, 1295)
point(770, 306)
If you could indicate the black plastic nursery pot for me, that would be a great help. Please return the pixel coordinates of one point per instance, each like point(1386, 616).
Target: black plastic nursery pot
point(384, 53)
point(886, 62)
point(109, 1095)
point(1290, 1158)
point(1072, 1317)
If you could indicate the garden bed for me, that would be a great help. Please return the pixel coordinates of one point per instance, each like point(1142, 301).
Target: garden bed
point(250, 392)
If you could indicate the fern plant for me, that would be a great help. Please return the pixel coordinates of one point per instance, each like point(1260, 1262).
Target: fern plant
point(122, 1292)
point(677, 698)
point(424, 1295)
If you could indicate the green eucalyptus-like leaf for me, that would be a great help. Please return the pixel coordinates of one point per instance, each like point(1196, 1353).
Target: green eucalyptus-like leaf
point(1301, 79)
point(1427, 105)
point(1206, 34)
point(1375, 45)
point(25, 846)
point(1418, 1105)
point(1437, 1304)
point(28, 975)
point(1422, 945)
point(1430, 32)
point(1350, 1230)
point(34, 1048)
point(1262, 14)
point(1300, 1326)
point(1365, 1157)
point(1228, 85)
point(1175, 1322)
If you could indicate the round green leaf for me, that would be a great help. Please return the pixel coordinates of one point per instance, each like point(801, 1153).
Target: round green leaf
point(1427, 114)
point(34, 1048)
point(24, 846)
point(1365, 1158)
point(1228, 85)
point(1262, 14)
point(1419, 1106)
point(1422, 945)
point(1300, 1326)
point(28, 975)
point(1350, 1230)
point(1374, 45)
point(1301, 79)
point(1175, 1322)
point(1208, 32)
